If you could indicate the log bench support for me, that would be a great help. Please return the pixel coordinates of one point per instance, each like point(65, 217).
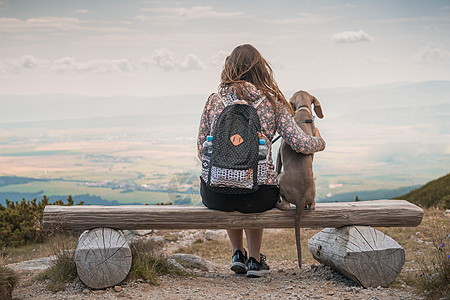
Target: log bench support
point(351, 250)
point(361, 253)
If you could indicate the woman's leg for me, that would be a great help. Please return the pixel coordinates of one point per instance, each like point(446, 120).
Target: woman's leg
point(236, 236)
point(254, 240)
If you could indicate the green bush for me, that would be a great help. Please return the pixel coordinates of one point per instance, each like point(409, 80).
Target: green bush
point(21, 222)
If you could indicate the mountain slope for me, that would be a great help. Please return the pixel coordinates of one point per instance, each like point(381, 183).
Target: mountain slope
point(434, 193)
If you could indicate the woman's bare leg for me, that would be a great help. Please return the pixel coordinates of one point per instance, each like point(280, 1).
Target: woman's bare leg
point(254, 240)
point(235, 236)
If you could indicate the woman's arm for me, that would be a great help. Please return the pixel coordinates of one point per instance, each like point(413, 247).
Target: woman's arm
point(204, 128)
point(295, 136)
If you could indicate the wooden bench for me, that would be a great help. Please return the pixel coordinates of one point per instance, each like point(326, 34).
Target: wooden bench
point(102, 247)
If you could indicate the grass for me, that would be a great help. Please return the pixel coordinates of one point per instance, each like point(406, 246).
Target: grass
point(148, 263)
point(8, 279)
point(278, 245)
point(426, 268)
point(427, 254)
point(63, 269)
point(32, 251)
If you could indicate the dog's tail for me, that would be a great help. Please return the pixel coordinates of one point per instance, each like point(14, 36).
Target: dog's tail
point(298, 216)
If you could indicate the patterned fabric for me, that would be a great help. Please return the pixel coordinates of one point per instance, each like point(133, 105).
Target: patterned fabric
point(221, 177)
point(281, 122)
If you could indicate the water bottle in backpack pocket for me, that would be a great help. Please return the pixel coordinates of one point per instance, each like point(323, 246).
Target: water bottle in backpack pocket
point(206, 158)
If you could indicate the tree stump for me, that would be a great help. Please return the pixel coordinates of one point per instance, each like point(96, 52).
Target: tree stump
point(361, 253)
point(102, 258)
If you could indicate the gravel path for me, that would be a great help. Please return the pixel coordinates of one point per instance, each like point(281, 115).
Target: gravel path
point(286, 281)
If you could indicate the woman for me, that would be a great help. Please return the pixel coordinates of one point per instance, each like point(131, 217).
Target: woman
point(248, 76)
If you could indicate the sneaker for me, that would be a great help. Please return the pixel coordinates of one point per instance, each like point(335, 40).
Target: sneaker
point(239, 262)
point(257, 269)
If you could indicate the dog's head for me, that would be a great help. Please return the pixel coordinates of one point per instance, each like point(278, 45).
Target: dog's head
point(304, 99)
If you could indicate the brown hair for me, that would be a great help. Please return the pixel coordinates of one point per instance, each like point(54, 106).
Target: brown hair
point(245, 64)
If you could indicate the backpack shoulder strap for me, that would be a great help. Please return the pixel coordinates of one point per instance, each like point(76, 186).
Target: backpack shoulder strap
point(230, 98)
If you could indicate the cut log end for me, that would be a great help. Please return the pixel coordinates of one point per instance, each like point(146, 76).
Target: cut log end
point(362, 253)
point(102, 258)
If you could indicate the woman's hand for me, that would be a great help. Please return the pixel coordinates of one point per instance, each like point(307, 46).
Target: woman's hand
point(317, 132)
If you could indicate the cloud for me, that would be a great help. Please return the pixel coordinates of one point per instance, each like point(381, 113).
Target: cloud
point(191, 62)
point(162, 58)
point(195, 12)
point(16, 25)
point(335, 185)
point(344, 6)
point(26, 62)
point(218, 59)
point(303, 18)
point(69, 64)
point(54, 24)
point(376, 59)
point(3, 5)
point(168, 61)
point(432, 54)
point(417, 19)
point(351, 37)
point(82, 11)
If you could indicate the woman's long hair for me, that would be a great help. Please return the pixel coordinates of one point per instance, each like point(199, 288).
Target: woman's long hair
point(245, 64)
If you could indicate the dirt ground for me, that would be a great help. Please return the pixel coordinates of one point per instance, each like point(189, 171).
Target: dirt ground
point(286, 281)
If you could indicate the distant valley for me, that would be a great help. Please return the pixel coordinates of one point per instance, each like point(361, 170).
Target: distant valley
point(142, 150)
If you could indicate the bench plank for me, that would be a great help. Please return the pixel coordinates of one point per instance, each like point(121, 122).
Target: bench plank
point(377, 213)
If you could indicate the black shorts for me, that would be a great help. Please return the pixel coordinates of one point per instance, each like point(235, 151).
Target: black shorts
point(263, 199)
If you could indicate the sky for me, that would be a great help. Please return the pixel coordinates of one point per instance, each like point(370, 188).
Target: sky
point(160, 48)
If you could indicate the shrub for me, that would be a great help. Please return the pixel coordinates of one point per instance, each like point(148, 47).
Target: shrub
point(21, 222)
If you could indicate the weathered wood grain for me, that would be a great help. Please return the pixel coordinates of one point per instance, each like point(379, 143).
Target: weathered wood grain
point(102, 258)
point(361, 253)
point(378, 213)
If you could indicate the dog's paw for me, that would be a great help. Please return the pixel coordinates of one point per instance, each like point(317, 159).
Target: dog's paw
point(283, 205)
point(311, 206)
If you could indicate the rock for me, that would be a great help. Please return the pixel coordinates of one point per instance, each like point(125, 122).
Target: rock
point(158, 239)
point(34, 264)
point(117, 288)
point(216, 235)
point(86, 291)
point(190, 261)
point(141, 232)
point(176, 265)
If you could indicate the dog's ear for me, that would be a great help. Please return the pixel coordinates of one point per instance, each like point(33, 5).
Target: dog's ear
point(317, 107)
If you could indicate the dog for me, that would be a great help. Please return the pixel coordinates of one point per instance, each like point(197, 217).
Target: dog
point(296, 181)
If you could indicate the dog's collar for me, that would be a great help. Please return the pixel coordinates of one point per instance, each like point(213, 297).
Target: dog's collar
point(311, 120)
point(302, 121)
point(307, 120)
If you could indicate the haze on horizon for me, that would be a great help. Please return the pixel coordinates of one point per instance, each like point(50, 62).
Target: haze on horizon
point(160, 48)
